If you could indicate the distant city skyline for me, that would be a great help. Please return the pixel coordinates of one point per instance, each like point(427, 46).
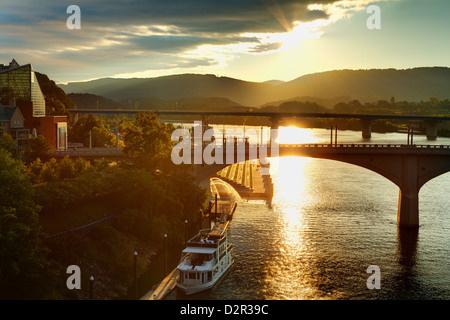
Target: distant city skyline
point(253, 40)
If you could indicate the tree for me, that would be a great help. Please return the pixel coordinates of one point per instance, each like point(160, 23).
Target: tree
point(55, 107)
point(24, 271)
point(48, 171)
point(149, 145)
point(40, 148)
point(66, 168)
point(94, 126)
point(34, 171)
point(8, 143)
point(57, 102)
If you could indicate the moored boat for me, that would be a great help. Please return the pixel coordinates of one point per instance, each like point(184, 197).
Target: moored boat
point(206, 258)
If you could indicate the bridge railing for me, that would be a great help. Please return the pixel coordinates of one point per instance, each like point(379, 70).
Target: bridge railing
point(353, 145)
point(97, 151)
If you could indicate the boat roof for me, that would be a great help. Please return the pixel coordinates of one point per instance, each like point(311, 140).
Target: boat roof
point(200, 250)
point(219, 230)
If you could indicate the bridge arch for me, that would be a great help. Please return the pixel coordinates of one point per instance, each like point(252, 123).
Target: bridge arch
point(408, 167)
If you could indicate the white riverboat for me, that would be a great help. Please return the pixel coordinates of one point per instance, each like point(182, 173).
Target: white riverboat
point(206, 258)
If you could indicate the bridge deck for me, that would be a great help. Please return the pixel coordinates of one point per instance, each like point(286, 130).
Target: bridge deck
point(330, 148)
point(376, 148)
point(89, 152)
point(264, 114)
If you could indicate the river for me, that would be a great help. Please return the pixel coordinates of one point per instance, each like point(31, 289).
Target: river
point(329, 222)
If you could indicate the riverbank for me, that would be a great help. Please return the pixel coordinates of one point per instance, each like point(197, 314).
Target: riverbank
point(105, 254)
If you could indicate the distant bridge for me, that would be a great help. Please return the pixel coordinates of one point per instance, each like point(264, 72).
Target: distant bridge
point(366, 120)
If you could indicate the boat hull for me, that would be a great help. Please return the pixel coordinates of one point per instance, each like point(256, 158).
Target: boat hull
point(193, 289)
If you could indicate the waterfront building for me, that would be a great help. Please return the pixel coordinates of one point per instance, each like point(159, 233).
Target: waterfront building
point(19, 89)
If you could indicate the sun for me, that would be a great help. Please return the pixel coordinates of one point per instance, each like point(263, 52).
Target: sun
point(294, 135)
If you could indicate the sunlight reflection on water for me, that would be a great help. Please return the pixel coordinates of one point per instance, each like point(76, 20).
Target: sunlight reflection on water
point(328, 222)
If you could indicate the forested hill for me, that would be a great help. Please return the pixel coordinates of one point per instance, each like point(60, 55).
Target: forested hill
point(57, 102)
point(92, 101)
point(366, 85)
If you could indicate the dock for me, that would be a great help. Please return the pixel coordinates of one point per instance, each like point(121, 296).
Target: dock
point(248, 180)
point(223, 212)
point(163, 288)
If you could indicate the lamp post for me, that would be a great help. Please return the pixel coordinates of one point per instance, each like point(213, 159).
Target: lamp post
point(335, 136)
point(185, 232)
point(135, 275)
point(165, 245)
point(91, 287)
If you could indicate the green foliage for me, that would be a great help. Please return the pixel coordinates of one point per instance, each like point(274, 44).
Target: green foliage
point(55, 107)
point(24, 271)
point(92, 101)
point(67, 192)
point(48, 172)
point(57, 102)
point(40, 148)
point(432, 107)
point(66, 168)
point(8, 143)
point(148, 146)
point(81, 165)
point(95, 126)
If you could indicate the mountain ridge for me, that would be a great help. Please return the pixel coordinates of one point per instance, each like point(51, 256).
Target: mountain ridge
point(414, 84)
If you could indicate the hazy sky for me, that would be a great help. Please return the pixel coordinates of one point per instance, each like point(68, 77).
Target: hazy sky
point(255, 40)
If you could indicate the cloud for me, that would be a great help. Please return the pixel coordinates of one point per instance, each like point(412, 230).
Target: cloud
point(120, 37)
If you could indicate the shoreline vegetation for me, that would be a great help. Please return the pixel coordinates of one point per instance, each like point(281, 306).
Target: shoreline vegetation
point(42, 196)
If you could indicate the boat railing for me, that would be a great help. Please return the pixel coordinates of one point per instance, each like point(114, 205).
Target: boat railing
point(201, 239)
point(202, 232)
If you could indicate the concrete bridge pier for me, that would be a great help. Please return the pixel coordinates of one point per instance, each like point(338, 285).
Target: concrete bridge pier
point(275, 125)
point(408, 200)
point(366, 128)
point(431, 127)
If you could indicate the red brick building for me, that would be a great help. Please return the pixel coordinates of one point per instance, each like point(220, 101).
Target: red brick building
point(19, 87)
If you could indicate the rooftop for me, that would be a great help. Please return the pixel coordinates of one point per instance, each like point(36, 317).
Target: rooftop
point(6, 112)
point(12, 65)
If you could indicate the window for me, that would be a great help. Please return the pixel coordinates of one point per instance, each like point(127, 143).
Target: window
point(62, 137)
point(22, 84)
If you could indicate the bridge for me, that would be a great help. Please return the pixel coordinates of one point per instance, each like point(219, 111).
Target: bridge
point(90, 153)
point(407, 166)
point(275, 117)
